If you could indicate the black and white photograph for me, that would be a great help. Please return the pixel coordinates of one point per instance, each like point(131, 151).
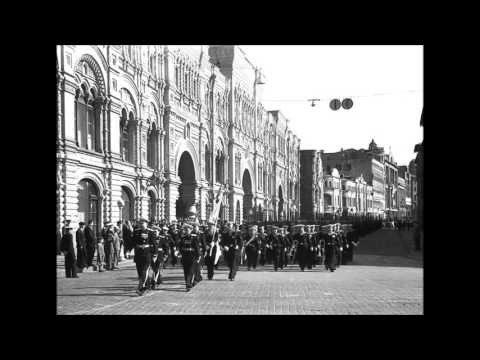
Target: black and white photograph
point(239, 180)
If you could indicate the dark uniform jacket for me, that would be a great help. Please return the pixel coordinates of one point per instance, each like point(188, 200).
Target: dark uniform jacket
point(254, 245)
point(90, 237)
point(277, 242)
point(81, 239)
point(66, 244)
point(145, 245)
point(189, 245)
point(107, 235)
point(232, 241)
point(200, 238)
point(303, 242)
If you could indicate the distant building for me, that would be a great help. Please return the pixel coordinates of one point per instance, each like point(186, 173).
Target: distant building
point(311, 184)
point(368, 164)
point(333, 194)
point(402, 198)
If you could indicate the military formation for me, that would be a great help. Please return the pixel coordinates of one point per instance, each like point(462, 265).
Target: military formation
point(195, 247)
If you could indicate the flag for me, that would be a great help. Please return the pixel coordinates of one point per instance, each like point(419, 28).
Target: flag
point(214, 218)
point(216, 207)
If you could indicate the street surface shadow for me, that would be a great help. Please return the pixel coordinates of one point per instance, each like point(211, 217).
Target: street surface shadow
point(129, 294)
point(385, 261)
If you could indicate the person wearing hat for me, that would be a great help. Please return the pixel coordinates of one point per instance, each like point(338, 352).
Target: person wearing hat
point(288, 244)
point(66, 224)
point(145, 248)
point(158, 254)
point(174, 238)
point(252, 247)
point(278, 248)
point(190, 251)
point(232, 246)
point(66, 247)
point(331, 247)
point(212, 250)
point(91, 243)
point(303, 245)
point(107, 235)
point(263, 245)
point(196, 233)
point(81, 246)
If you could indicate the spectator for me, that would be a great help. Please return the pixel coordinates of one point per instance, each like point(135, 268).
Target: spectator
point(66, 247)
point(91, 241)
point(81, 247)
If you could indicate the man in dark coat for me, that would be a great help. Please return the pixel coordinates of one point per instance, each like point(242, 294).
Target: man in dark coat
point(174, 240)
point(303, 245)
point(190, 251)
point(288, 244)
point(81, 246)
point(66, 247)
point(161, 251)
point(263, 245)
point(331, 248)
point(196, 233)
point(107, 235)
point(252, 247)
point(91, 245)
point(278, 248)
point(145, 247)
point(232, 246)
point(212, 247)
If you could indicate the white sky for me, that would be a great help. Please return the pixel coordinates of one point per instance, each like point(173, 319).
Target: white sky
point(304, 72)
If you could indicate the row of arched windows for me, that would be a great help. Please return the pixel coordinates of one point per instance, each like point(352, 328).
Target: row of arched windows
point(187, 78)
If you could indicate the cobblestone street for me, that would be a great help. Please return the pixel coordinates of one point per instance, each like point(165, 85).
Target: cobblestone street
point(373, 284)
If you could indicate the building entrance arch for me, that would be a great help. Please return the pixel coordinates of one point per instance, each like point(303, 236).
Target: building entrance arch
point(247, 196)
point(186, 189)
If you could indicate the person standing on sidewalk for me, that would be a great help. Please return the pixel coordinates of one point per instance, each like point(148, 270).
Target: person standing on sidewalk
point(107, 234)
point(66, 247)
point(116, 247)
point(127, 232)
point(81, 246)
point(91, 241)
point(145, 247)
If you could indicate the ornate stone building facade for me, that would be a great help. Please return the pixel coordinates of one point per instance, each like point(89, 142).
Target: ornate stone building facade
point(152, 131)
point(311, 184)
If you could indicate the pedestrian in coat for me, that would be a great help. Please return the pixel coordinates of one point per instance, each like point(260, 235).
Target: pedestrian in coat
point(91, 240)
point(66, 247)
point(107, 235)
point(81, 246)
point(116, 247)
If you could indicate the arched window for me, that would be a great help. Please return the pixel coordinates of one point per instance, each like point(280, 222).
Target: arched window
point(87, 118)
point(152, 208)
point(219, 161)
point(88, 203)
point(128, 205)
point(152, 146)
point(127, 131)
point(207, 164)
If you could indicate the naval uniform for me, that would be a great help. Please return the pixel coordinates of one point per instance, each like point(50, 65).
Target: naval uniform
point(331, 247)
point(190, 250)
point(161, 243)
point(252, 252)
point(232, 255)
point(278, 250)
point(303, 245)
point(81, 249)
point(198, 265)
point(145, 247)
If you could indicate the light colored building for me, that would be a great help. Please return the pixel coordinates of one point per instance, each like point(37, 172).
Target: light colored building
point(333, 193)
point(368, 164)
point(154, 131)
point(311, 184)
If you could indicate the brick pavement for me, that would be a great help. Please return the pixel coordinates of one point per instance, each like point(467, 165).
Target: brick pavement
point(352, 289)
